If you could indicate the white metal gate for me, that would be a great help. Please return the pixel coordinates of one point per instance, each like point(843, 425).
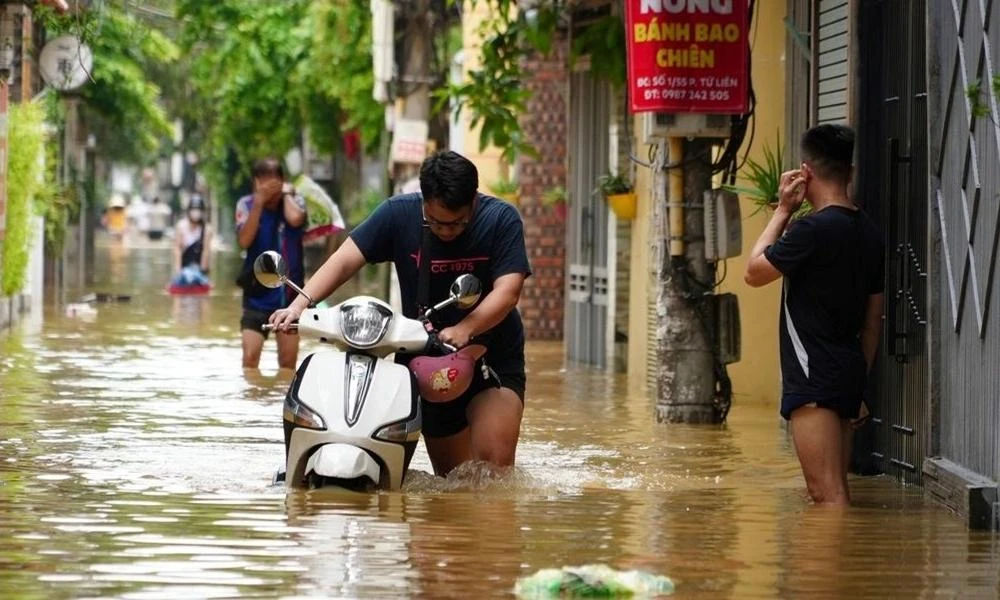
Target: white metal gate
point(587, 225)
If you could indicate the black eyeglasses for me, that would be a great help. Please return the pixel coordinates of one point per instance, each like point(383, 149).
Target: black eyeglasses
point(457, 225)
point(447, 225)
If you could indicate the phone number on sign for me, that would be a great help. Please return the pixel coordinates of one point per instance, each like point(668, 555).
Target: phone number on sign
point(674, 94)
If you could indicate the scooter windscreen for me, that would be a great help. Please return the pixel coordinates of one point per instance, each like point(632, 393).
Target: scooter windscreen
point(445, 378)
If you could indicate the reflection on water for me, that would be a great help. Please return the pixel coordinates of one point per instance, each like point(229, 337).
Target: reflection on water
point(136, 460)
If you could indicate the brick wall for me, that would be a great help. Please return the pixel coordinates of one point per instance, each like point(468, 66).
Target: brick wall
point(544, 125)
point(623, 233)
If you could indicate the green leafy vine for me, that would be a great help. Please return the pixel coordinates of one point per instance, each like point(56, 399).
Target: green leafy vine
point(978, 105)
point(29, 188)
point(494, 95)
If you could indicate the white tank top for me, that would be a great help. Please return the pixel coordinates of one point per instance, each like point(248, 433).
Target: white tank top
point(189, 233)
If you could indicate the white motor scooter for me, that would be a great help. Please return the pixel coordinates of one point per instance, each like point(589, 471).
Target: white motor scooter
point(352, 416)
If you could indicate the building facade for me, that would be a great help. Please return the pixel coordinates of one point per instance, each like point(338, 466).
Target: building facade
point(920, 83)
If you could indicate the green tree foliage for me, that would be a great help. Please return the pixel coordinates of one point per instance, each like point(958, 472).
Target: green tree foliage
point(266, 71)
point(339, 73)
point(241, 56)
point(121, 104)
point(495, 96)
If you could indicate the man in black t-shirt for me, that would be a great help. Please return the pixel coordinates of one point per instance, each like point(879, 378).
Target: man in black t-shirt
point(471, 233)
point(832, 261)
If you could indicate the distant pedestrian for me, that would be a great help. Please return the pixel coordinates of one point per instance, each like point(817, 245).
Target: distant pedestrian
point(192, 245)
point(159, 219)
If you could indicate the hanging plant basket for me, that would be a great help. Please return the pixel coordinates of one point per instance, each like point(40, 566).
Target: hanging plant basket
point(508, 190)
point(623, 205)
point(510, 197)
point(557, 199)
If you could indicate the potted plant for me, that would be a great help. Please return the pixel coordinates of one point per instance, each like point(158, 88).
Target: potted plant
point(507, 189)
point(557, 199)
point(618, 193)
point(762, 180)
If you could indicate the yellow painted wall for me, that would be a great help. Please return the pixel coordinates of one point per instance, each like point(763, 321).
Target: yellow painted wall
point(756, 378)
point(640, 276)
point(487, 161)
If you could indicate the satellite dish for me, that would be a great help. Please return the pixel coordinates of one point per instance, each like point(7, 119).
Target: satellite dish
point(65, 63)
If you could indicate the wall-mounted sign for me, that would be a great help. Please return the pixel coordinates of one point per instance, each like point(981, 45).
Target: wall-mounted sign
point(65, 63)
point(409, 141)
point(687, 55)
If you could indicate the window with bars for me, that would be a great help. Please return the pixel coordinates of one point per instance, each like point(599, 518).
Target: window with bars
point(817, 67)
point(798, 75)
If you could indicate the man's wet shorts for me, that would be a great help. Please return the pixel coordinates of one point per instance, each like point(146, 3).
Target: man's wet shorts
point(253, 320)
point(846, 409)
point(442, 419)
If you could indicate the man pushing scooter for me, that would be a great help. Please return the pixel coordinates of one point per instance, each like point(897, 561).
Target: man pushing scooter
point(431, 238)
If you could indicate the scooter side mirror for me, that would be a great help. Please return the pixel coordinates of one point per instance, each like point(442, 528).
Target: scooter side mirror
point(270, 269)
point(466, 290)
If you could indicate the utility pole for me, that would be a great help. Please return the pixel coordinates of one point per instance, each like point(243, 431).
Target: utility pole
point(413, 107)
point(685, 379)
point(414, 101)
point(88, 213)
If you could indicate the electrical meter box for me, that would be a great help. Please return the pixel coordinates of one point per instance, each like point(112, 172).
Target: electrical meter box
point(657, 127)
point(727, 315)
point(723, 227)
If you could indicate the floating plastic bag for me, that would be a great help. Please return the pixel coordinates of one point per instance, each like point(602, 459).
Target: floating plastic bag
point(593, 581)
point(322, 213)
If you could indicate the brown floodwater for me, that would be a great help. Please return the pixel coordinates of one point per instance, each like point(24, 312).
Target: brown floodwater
point(136, 460)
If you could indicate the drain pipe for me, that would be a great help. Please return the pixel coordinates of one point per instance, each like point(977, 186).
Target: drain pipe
point(675, 197)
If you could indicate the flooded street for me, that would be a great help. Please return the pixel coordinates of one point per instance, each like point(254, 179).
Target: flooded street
point(136, 462)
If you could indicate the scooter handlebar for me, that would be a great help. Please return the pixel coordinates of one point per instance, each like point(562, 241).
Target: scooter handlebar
point(435, 342)
point(270, 327)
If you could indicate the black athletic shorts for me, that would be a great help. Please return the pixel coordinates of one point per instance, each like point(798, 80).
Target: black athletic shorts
point(846, 408)
point(442, 419)
point(253, 319)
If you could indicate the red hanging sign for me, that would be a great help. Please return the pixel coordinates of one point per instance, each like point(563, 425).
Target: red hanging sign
point(687, 55)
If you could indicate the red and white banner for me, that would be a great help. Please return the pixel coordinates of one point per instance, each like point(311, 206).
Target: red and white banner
point(687, 55)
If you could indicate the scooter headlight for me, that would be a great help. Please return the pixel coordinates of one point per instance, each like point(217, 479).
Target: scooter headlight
point(301, 414)
point(364, 324)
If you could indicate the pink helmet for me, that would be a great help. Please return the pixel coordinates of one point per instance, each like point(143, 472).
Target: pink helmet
point(445, 378)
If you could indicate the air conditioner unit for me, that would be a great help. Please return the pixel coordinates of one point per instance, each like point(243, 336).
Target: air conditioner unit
point(660, 126)
point(723, 230)
point(727, 319)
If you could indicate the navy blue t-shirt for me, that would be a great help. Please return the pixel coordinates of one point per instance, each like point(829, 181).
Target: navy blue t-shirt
point(491, 246)
point(832, 260)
